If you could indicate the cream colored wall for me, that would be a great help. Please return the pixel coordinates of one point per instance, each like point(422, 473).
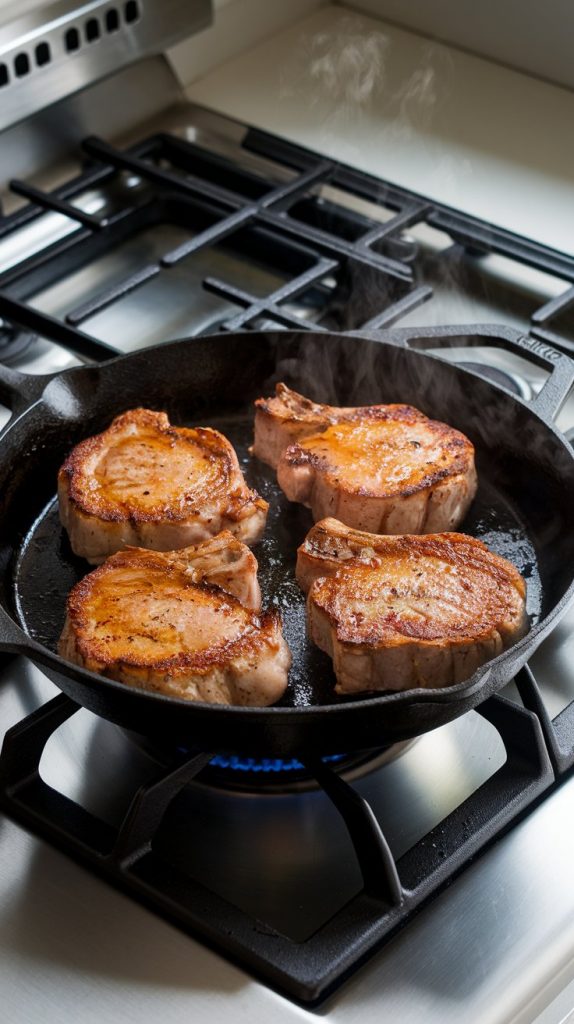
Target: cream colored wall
point(238, 25)
point(529, 35)
point(467, 132)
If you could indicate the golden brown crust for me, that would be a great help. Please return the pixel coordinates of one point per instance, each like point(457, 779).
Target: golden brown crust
point(97, 595)
point(402, 611)
point(144, 482)
point(382, 468)
point(386, 452)
point(288, 417)
point(144, 618)
point(153, 430)
point(330, 547)
point(487, 593)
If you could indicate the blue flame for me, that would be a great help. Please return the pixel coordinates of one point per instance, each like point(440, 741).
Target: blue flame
point(264, 764)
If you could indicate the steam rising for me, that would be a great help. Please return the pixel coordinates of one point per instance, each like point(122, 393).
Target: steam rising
point(419, 96)
point(354, 72)
point(337, 370)
point(420, 87)
point(340, 71)
point(345, 71)
point(348, 65)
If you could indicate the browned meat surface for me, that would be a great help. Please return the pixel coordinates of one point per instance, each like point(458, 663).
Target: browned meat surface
point(156, 620)
point(146, 483)
point(397, 612)
point(288, 417)
point(382, 468)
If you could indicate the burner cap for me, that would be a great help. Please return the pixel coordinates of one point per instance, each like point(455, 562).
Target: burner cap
point(511, 381)
point(14, 341)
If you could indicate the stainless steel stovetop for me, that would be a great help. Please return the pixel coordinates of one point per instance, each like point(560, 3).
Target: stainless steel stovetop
point(497, 945)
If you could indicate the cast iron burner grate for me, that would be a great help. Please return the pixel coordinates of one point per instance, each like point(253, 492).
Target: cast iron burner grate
point(14, 342)
point(340, 266)
point(135, 856)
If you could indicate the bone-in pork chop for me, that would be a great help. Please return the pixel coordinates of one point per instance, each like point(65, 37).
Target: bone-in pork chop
point(147, 483)
point(382, 468)
point(398, 612)
point(174, 623)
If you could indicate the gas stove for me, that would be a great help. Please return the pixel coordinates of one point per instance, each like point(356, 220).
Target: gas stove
point(191, 223)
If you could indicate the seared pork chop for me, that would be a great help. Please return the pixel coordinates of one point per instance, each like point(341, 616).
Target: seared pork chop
point(146, 483)
point(382, 468)
point(157, 620)
point(401, 612)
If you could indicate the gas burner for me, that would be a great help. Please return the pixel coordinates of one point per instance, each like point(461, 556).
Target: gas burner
point(249, 774)
point(511, 381)
point(270, 774)
point(14, 341)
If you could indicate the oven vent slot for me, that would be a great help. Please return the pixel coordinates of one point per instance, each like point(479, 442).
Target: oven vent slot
point(55, 51)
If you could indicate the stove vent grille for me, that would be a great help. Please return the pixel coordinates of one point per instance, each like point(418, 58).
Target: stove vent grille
point(40, 53)
point(50, 53)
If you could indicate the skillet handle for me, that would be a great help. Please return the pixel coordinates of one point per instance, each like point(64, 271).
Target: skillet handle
point(557, 387)
point(13, 640)
point(549, 400)
point(20, 390)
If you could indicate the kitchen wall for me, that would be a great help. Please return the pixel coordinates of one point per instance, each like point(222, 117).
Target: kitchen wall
point(525, 34)
point(238, 24)
point(472, 134)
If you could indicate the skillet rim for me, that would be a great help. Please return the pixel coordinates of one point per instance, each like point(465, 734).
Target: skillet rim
point(416, 696)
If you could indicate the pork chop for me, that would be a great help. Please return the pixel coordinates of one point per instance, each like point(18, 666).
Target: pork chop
point(146, 483)
point(156, 620)
point(399, 612)
point(383, 468)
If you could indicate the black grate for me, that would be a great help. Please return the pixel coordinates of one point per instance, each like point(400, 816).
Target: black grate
point(132, 856)
point(360, 264)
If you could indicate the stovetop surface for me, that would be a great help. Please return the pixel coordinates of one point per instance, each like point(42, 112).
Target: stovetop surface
point(509, 892)
point(484, 949)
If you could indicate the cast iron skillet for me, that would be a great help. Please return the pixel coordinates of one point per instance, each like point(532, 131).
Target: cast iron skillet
point(524, 510)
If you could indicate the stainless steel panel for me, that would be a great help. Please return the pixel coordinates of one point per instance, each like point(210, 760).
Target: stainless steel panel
point(45, 148)
point(40, 62)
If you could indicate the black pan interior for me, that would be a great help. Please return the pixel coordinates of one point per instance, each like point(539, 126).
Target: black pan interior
point(520, 510)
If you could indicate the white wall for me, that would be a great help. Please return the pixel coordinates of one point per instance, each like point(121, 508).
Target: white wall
point(238, 24)
point(532, 35)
